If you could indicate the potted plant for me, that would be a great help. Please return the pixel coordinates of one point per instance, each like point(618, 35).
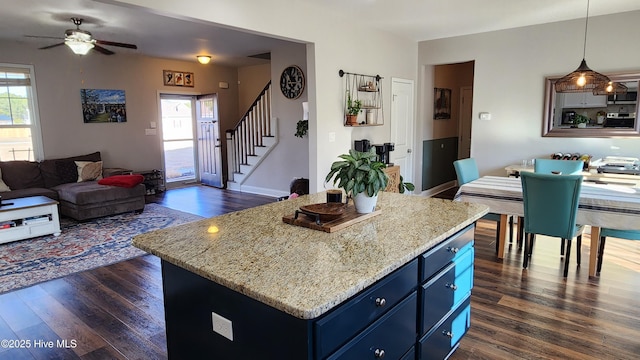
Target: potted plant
point(354, 107)
point(301, 128)
point(402, 186)
point(361, 176)
point(581, 121)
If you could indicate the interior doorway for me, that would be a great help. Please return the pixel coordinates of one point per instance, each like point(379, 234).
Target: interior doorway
point(178, 145)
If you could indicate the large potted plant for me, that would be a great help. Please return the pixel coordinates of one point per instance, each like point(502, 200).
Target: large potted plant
point(354, 107)
point(361, 176)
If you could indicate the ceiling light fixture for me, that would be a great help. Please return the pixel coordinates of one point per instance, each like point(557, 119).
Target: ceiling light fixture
point(78, 46)
point(203, 59)
point(582, 79)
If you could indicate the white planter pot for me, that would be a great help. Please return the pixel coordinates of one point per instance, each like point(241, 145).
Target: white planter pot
point(364, 203)
point(582, 125)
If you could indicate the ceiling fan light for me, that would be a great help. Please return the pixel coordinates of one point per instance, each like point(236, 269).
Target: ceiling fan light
point(79, 47)
point(203, 59)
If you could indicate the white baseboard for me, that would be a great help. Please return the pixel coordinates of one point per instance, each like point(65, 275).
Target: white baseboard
point(262, 191)
point(438, 189)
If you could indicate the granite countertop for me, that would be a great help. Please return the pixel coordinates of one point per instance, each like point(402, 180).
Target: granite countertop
point(301, 271)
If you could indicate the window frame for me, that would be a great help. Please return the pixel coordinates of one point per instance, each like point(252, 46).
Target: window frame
point(36, 131)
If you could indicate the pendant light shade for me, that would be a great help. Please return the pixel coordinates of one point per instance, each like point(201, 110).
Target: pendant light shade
point(583, 79)
point(611, 89)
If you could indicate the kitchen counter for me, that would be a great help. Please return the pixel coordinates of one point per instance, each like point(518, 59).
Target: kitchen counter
point(246, 285)
point(301, 271)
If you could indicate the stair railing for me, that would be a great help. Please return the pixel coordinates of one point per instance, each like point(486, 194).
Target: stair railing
point(249, 131)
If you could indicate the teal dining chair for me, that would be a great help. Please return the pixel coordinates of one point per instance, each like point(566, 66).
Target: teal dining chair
point(620, 234)
point(553, 166)
point(558, 167)
point(550, 208)
point(467, 171)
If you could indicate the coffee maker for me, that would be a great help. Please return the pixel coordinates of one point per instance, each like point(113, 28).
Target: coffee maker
point(362, 145)
point(383, 152)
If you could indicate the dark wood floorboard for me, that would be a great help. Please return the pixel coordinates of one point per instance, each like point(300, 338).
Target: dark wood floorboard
point(116, 312)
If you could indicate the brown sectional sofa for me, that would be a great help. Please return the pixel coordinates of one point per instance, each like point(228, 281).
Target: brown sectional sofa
point(58, 179)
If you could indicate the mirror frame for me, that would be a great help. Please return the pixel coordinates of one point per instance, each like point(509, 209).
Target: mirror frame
point(549, 109)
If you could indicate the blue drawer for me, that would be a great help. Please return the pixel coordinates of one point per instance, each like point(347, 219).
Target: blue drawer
point(410, 355)
point(443, 339)
point(340, 325)
point(446, 290)
point(440, 256)
point(389, 337)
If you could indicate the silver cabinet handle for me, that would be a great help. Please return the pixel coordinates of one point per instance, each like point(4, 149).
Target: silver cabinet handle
point(447, 333)
point(379, 353)
point(454, 250)
point(380, 302)
point(453, 287)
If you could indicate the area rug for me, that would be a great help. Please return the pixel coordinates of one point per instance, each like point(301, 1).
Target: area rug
point(81, 246)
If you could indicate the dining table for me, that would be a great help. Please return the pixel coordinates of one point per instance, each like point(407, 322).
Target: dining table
point(600, 206)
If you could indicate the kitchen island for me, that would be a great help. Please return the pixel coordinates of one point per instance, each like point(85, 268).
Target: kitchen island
point(245, 285)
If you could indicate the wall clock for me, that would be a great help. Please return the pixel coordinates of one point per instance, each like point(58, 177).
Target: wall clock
point(292, 82)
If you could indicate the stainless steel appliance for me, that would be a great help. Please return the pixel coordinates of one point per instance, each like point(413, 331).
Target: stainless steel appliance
point(628, 98)
point(620, 120)
point(383, 152)
point(620, 165)
point(568, 117)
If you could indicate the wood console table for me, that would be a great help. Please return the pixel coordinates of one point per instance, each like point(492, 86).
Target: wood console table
point(393, 172)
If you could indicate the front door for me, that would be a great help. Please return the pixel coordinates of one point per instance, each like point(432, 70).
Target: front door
point(208, 132)
point(402, 125)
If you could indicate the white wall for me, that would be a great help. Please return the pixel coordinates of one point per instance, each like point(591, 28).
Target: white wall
point(60, 75)
point(510, 68)
point(336, 44)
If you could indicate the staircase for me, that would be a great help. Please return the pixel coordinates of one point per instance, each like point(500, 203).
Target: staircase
point(251, 140)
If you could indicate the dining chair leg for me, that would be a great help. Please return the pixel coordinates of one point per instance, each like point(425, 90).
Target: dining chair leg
point(566, 258)
point(520, 231)
point(562, 246)
point(579, 249)
point(525, 254)
point(600, 254)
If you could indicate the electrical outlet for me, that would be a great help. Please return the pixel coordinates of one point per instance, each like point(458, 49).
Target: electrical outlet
point(222, 326)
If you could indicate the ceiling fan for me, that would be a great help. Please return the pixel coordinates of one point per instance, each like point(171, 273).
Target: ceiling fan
point(81, 41)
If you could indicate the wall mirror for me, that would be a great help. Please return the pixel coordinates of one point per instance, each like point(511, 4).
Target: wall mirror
point(588, 115)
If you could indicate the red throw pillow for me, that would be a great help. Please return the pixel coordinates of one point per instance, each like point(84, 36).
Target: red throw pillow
point(127, 181)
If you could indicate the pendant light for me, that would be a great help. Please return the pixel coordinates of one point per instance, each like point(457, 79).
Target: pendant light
point(611, 89)
point(582, 79)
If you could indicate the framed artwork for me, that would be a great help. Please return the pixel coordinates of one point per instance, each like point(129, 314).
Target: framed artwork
point(168, 77)
point(442, 104)
point(177, 78)
point(103, 106)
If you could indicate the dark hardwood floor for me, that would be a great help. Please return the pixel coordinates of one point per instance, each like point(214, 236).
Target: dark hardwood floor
point(116, 312)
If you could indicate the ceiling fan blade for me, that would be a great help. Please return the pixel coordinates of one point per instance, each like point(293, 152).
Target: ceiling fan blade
point(111, 43)
point(51, 46)
point(103, 50)
point(44, 37)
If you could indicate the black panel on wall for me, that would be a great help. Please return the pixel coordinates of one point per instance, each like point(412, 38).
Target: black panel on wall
point(438, 156)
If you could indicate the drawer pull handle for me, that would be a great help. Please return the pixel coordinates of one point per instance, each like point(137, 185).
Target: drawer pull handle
point(453, 287)
point(454, 250)
point(448, 334)
point(379, 353)
point(380, 302)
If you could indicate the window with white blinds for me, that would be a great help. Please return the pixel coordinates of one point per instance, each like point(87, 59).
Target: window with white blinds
point(19, 126)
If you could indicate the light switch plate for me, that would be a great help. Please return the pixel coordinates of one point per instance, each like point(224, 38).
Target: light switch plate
point(485, 116)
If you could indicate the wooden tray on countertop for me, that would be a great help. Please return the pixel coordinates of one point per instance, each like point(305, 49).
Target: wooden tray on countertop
point(348, 217)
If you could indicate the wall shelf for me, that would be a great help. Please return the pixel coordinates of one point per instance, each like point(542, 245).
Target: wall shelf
point(367, 89)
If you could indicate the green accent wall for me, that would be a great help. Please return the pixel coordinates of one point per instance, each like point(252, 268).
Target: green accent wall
point(438, 156)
